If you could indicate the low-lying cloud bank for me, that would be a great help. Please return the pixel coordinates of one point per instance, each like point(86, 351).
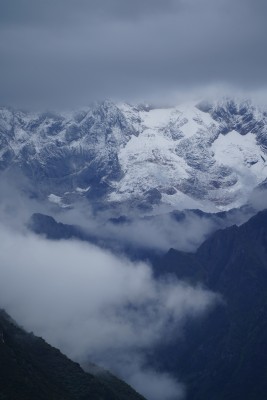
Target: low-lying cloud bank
point(96, 306)
point(157, 233)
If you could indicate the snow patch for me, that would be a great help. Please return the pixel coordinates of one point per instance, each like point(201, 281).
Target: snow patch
point(81, 190)
point(57, 200)
point(244, 156)
point(156, 118)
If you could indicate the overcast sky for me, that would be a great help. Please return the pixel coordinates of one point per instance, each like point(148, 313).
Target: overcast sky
point(142, 49)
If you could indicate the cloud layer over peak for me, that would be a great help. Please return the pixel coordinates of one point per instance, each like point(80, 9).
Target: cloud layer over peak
point(77, 50)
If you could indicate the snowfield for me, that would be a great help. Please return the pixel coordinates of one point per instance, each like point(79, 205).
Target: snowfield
point(206, 156)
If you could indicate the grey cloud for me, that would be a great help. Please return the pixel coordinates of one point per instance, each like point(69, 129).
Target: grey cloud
point(33, 12)
point(76, 50)
point(258, 198)
point(159, 233)
point(157, 385)
point(92, 304)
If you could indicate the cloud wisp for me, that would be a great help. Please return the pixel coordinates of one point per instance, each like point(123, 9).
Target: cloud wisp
point(94, 305)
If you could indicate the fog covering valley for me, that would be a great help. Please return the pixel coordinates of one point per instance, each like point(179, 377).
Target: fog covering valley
point(133, 200)
point(101, 302)
point(92, 304)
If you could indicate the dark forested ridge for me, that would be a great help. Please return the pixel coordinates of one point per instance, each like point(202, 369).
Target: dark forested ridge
point(31, 369)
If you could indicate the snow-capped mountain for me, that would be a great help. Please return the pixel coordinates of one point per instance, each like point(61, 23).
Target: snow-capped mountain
point(206, 155)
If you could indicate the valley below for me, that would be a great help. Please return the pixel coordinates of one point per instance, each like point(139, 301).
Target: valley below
point(134, 240)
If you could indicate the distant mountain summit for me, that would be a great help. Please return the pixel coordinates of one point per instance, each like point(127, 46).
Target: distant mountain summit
point(207, 155)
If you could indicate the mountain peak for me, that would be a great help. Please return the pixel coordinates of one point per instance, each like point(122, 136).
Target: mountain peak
point(207, 155)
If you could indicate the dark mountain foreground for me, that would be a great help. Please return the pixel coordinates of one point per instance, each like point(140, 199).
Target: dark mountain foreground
point(225, 355)
point(31, 369)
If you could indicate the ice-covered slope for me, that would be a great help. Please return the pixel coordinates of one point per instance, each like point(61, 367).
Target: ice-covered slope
point(208, 156)
point(188, 154)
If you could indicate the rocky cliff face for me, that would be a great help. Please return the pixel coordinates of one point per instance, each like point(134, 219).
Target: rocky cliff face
point(207, 156)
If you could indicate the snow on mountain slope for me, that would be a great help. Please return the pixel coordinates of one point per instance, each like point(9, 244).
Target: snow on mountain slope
point(209, 156)
point(181, 152)
point(243, 155)
point(151, 160)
